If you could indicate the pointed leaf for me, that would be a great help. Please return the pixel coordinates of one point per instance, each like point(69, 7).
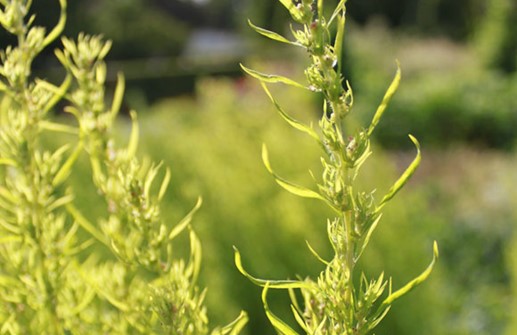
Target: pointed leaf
point(165, 183)
point(195, 256)
point(276, 284)
point(279, 325)
point(295, 12)
point(318, 257)
point(385, 101)
point(58, 127)
point(185, 221)
point(83, 222)
point(58, 29)
point(271, 78)
point(235, 327)
point(133, 139)
point(293, 188)
point(118, 96)
point(65, 170)
point(271, 35)
point(415, 282)
point(405, 176)
point(291, 121)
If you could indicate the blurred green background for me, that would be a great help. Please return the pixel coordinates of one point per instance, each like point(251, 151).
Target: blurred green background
point(207, 122)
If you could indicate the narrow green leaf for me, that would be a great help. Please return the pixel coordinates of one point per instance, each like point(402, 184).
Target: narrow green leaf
point(299, 319)
point(271, 35)
point(338, 45)
point(59, 92)
point(87, 298)
point(118, 96)
point(185, 221)
point(276, 284)
point(279, 325)
point(415, 282)
point(291, 121)
point(60, 202)
point(58, 29)
point(340, 10)
point(7, 161)
point(366, 239)
point(378, 318)
point(195, 256)
point(271, 78)
point(405, 176)
point(290, 187)
point(149, 178)
point(65, 170)
point(133, 139)
point(234, 327)
point(385, 101)
point(295, 12)
point(83, 222)
point(165, 183)
point(58, 127)
point(318, 257)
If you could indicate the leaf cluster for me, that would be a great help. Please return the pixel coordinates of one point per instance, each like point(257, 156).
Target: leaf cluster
point(54, 277)
point(333, 303)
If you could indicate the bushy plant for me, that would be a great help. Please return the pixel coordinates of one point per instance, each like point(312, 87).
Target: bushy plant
point(334, 303)
point(62, 270)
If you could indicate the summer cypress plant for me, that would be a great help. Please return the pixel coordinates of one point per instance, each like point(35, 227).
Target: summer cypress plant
point(338, 301)
point(55, 277)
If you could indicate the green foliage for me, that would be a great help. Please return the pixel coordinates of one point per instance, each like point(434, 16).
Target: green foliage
point(334, 303)
point(55, 277)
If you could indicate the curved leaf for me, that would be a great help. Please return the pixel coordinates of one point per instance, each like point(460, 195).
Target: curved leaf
point(271, 35)
point(271, 78)
point(276, 284)
point(293, 188)
point(295, 12)
point(385, 101)
point(279, 325)
point(186, 220)
point(291, 121)
point(58, 29)
point(415, 282)
point(405, 176)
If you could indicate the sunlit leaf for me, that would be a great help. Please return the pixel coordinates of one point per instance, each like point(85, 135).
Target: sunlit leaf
point(292, 188)
point(385, 101)
point(276, 284)
point(271, 78)
point(290, 120)
point(415, 282)
point(186, 220)
point(270, 34)
point(279, 325)
point(405, 176)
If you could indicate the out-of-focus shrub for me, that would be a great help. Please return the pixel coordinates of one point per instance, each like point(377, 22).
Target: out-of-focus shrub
point(448, 97)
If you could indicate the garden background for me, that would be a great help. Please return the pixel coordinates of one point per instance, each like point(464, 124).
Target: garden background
point(205, 120)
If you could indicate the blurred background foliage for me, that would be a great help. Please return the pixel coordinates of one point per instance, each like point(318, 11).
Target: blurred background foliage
point(207, 122)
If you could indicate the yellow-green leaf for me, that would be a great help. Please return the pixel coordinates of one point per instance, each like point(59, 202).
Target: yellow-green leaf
point(271, 35)
point(276, 284)
point(405, 176)
point(185, 221)
point(385, 101)
point(271, 78)
point(290, 120)
point(290, 187)
point(415, 282)
point(279, 325)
